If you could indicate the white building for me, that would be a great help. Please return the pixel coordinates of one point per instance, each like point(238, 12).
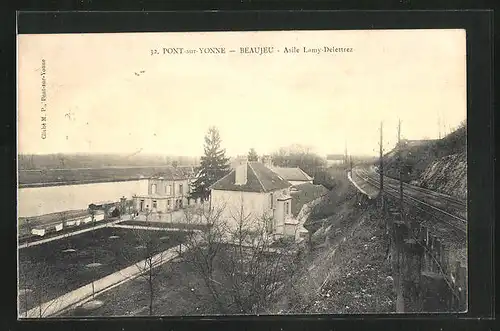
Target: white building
point(167, 191)
point(257, 194)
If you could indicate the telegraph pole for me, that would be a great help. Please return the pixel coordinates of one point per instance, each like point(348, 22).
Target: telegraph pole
point(439, 126)
point(399, 276)
point(346, 160)
point(381, 168)
point(400, 157)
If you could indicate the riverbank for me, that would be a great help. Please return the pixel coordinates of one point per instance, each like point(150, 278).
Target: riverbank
point(78, 182)
point(59, 177)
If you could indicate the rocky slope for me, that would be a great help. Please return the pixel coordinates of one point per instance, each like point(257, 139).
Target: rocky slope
point(447, 175)
point(439, 164)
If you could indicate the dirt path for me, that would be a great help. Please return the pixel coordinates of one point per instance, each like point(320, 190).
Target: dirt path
point(84, 293)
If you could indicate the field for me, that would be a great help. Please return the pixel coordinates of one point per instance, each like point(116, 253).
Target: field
point(57, 267)
point(33, 178)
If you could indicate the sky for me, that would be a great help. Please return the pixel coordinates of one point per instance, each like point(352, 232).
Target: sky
point(106, 93)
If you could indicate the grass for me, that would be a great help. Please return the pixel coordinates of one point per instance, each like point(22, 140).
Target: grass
point(362, 282)
point(346, 276)
point(179, 290)
point(46, 269)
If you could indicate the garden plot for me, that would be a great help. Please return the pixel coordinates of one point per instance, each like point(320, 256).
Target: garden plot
point(52, 269)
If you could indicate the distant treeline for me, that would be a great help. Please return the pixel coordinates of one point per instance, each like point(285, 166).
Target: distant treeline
point(314, 165)
point(72, 161)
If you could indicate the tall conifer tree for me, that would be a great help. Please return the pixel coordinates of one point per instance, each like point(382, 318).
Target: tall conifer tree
point(213, 166)
point(252, 155)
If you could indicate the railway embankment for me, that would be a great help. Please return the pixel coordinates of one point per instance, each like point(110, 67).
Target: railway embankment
point(346, 270)
point(426, 249)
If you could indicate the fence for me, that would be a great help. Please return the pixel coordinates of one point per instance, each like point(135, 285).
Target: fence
point(425, 278)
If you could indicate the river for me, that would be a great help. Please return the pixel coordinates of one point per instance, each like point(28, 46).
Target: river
point(34, 201)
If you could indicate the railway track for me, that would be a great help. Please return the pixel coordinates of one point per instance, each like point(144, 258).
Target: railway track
point(459, 204)
point(438, 214)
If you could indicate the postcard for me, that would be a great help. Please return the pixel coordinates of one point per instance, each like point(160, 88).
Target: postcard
point(242, 173)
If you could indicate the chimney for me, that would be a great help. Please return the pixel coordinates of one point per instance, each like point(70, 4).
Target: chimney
point(241, 171)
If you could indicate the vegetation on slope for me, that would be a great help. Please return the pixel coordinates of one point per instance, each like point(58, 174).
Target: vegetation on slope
point(346, 270)
point(418, 155)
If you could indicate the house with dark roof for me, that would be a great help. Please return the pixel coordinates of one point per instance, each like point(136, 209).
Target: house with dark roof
point(167, 191)
point(254, 193)
point(294, 176)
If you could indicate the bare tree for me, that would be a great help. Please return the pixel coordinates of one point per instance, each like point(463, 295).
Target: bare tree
point(205, 245)
point(150, 246)
point(257, 274)
point(93, 220)
point(243, 273)
point(35, 279)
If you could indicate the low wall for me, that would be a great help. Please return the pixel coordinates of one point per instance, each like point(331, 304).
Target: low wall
point(426, 279)
point(69, 223)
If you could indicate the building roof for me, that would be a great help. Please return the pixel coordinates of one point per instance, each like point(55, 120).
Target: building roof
point(259, 179)
point(293, 174)
point(306, 193)
point(174, 173)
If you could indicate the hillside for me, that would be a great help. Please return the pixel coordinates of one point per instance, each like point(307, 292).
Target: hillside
point(447, 175)
point(346, 270)
point(418, 155)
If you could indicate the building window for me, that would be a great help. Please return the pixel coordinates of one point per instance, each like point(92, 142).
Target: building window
point(169, 189)
point(272, 201)
point(287, 205)
point(180, 189)
point(153, 189)
point(154, 204)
